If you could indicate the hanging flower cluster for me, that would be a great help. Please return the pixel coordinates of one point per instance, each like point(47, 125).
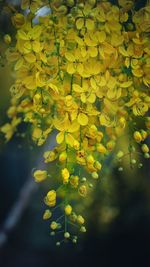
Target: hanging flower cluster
point(84, 71)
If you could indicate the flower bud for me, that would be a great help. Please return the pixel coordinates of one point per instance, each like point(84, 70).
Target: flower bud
point(7, 39)
point(66, 235)
point(80, 219)
point(18, 20)
point(68, 210)
point(120, 154)
point(90, 159)
point(53, 225)
point(145, 148)
point(95, 175)
point(83, 229)
point(47, 214)
point(40, 175)
point(63, 156)
point(137, 136)
point(101, 149)
point(146, 155)
point(70, 3)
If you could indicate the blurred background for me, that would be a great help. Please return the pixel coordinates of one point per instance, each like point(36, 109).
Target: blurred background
point(118, 212)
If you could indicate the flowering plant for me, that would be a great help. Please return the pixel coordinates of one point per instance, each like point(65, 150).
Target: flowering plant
point(82, 70)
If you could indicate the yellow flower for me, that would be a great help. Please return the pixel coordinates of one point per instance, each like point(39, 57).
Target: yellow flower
point(40, 175)
point(66, 130)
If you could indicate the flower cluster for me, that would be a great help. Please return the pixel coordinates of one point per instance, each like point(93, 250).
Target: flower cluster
point(83, 70)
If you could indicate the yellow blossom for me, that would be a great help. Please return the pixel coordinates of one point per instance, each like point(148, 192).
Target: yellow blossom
point(40, 175)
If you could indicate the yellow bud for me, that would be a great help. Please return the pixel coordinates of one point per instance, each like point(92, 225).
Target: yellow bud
point(42, 111)
point(137, 136)
point(53, 225)
point(147, 99)
point(50, 198)
point(51, 195)
point(70, 3)
point(90, 159)
point(68, 209)
point(7, 39)
point(122, 77)
point(11, 111)
point(37, 99)
point(65, 175)
point(80, 219)
point(73, 217)
point(95, 175)
point(74, 181)
point(63, 156)
point(47, 214)
point(99, 136)
point(120, 154)
point(101, 149)
point(37, 133)
point(122, 122)
point(83, 229)
point(82, 190)
point(148, 122)
point(92, 2)
point(98, 165)
point(110, 145)
point(144, 134)
point(145, 148)
point(49, 156)
point(66, 235)
point(40, 175)
point(76, 145)
point(18, 20)
point(62, 10)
